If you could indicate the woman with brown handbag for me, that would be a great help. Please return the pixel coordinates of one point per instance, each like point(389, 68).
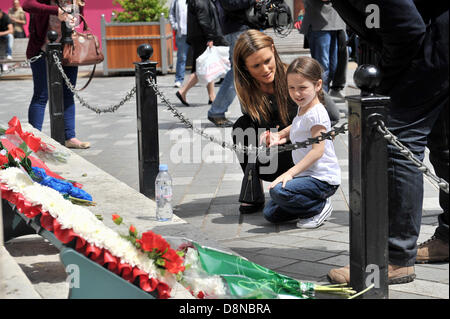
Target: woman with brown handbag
point(47, 15)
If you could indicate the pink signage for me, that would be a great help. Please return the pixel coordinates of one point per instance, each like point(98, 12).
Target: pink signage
point(93, 13)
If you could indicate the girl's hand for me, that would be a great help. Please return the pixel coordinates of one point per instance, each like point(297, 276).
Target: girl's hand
point(284, 178)
point(210, 44)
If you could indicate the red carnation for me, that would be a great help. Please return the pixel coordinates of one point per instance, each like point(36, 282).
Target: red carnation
point(150, 241)
point(117, 219)
point(17, 153)
point(3, 160)
point(174, 262)
point(133, 231)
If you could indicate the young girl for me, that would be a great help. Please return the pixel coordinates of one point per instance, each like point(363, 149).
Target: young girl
point(303, 191)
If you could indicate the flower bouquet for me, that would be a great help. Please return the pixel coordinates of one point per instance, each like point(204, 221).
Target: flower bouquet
point(17, 136)
point(20, 157)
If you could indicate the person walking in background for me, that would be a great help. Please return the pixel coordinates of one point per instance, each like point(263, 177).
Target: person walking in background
point(203, 30)
point(6, 33)
point(232, 22)
point(178, 21)
point(320, 26)
point(46, 16)
point(18, 18)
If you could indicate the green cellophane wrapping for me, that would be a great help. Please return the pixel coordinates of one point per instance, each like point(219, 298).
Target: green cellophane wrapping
point(246, 279)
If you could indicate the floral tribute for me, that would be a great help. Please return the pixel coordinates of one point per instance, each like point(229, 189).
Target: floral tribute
point(147, 260)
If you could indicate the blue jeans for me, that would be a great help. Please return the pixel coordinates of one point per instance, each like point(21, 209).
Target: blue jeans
point(10, 42)
point(182, 52)
point(416, 128)
point(36, 110)
point(227, 92)
point(324, 48)
point(302, 197)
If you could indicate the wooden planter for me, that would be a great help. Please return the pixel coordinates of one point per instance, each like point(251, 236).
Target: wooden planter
point(121, 40)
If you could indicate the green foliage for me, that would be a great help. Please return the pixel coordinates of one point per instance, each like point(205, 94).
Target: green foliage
point(140, 10)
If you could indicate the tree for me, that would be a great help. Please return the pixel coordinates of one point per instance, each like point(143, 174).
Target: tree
point(140, 10)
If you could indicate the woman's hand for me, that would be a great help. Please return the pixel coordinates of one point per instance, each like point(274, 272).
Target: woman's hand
point(66, 17)
point(284, 178)
point(272, 138)
point(210, 44)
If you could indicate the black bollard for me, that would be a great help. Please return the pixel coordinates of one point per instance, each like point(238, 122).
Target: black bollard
point(55, 89)
point(147, 122)
point(368, 187)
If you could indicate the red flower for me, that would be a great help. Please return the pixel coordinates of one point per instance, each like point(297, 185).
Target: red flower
point(174, 262)
point(3, 160)
point(117, 219)
point(17, 153)
point(133, 231)
point(150, 241)
point(201, 295)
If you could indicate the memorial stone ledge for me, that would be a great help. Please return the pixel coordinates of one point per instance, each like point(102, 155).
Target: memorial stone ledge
point(115, 197)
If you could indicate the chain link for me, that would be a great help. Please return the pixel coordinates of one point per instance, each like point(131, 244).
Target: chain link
point(392, 139)
point(97, 110)
point(238, 148)
point(23, 64)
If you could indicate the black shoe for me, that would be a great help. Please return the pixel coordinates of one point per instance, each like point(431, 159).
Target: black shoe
point(250, 209)
point(181, 98)
point(221, 121)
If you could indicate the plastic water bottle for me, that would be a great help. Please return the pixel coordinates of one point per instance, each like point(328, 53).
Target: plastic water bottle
point(163, 194)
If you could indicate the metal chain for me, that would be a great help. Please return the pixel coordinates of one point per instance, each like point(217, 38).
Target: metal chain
point(238, 148)
point(392, 139)
point(24, 64)
point(97, 110)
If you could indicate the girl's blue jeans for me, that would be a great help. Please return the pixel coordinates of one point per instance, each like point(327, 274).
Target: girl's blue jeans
point(36, 110)
point(302, 197)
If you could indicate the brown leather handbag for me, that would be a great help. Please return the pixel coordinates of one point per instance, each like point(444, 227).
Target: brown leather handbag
point(85, 49)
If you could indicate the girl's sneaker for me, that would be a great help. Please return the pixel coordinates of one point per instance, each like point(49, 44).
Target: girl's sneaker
point(317, 220)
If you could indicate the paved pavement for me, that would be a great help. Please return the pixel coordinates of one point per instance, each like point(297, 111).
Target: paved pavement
point(207, 182)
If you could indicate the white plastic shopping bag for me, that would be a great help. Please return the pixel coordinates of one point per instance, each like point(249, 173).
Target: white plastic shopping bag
point(212, 64)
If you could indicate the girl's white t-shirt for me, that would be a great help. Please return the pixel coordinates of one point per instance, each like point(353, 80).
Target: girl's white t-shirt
point(327, 167)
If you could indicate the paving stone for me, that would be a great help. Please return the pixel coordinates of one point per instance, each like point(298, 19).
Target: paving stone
point(296, 253)
point(425, 288)
point(307, 268)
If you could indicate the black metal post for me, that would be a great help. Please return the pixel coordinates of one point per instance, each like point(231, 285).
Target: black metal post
point(147, 122)
point(368, 188)
point(55, 89)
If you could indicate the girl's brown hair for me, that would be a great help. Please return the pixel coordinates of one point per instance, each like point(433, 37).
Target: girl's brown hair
point(310, 69)
point(254, 102)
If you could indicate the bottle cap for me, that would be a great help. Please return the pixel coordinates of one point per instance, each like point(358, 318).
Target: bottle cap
point(163, 167)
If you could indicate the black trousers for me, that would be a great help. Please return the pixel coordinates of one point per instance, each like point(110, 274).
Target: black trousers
point(246, 132)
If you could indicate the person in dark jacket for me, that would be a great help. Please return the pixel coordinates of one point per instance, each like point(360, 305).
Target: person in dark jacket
point(46, 16)
point(412, 40)
point(203, 30)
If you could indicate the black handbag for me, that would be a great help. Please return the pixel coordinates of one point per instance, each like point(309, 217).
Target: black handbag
point(251, 188)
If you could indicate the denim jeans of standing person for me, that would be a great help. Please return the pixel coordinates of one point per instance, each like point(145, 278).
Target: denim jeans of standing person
point(416, 128)
point(227, 92)
point(324, 48)
point(182, 52)
point(340, 74)
point(302, 197)
point(36, 110)
point(9, 38)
